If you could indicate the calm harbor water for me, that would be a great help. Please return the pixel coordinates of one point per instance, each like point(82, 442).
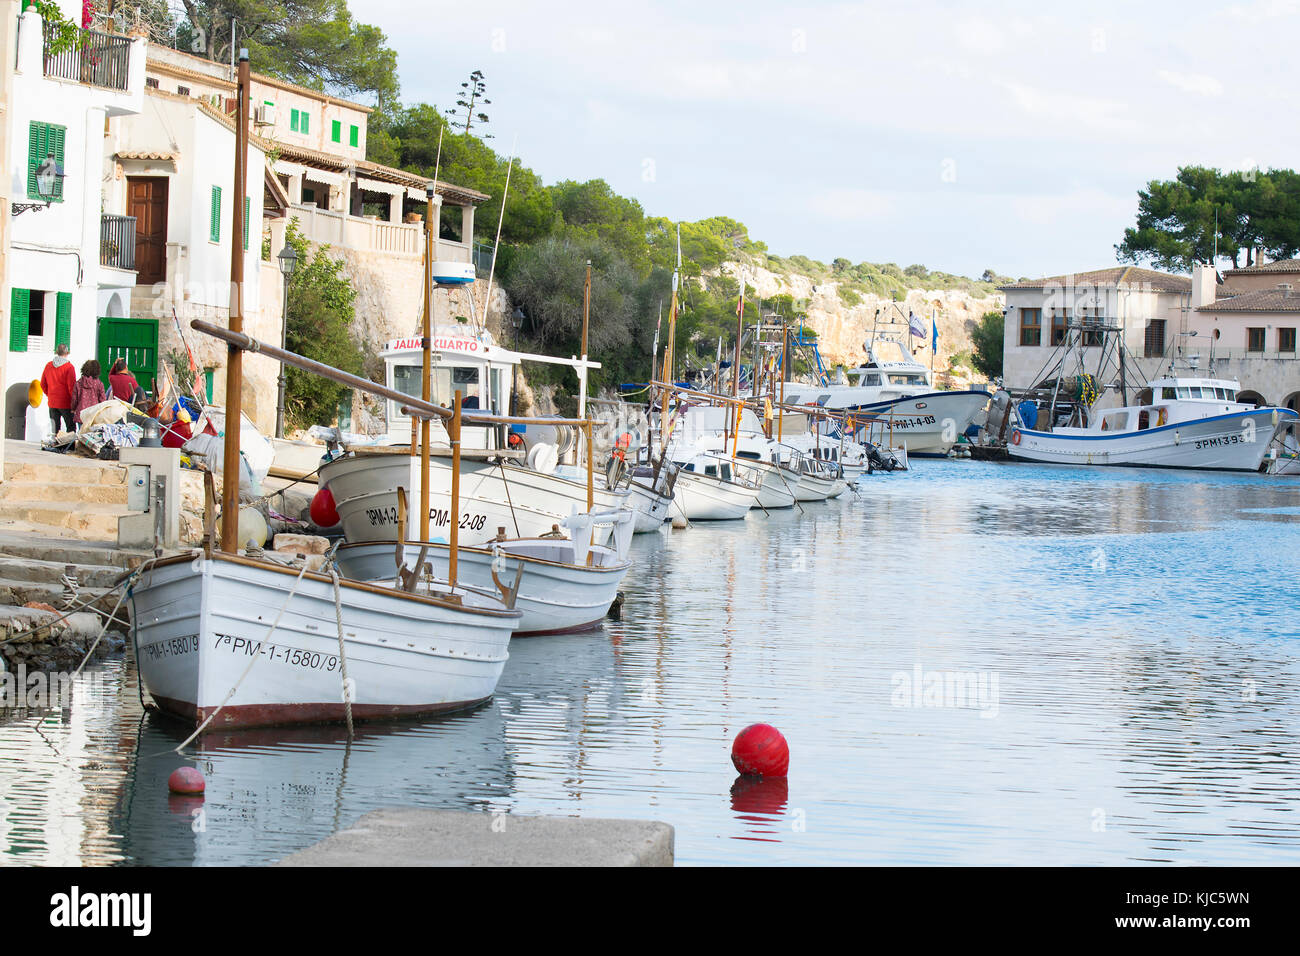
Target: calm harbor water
point(973, 663)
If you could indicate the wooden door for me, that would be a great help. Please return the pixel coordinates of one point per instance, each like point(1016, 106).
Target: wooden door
point(147, 202)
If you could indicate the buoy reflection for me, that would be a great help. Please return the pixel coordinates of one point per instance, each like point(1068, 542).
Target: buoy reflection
point(759, 802)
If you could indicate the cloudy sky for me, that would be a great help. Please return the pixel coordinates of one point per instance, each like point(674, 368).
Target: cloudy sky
point(961, 136)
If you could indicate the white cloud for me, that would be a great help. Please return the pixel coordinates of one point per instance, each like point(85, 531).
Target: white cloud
point(851, 204)
point(1197, 83)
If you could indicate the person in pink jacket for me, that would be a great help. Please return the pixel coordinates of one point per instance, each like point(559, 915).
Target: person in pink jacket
point(89, 390)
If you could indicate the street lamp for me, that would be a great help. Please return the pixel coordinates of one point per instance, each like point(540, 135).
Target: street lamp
point(516, 323)
point(288, 262)
point(49, 174)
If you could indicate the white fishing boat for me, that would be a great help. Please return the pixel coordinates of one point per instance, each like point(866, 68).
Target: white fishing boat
point(650, 495)
point(492, 494)
point(709, 490)
point(200, 622)
point(564, 585)
point(898, 391)
point(1191, 422)
point(231, 640)
point(1284, 457)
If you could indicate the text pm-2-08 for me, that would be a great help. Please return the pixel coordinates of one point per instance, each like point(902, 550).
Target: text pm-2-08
point(383, 516)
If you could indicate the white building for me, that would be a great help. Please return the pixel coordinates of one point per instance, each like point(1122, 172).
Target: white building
point(59, 281)
point(1149, 308)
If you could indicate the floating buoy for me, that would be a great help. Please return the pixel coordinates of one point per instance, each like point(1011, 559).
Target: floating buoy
point(761, 750)
point(323, 512)
point(186, 780)
point(679, 522)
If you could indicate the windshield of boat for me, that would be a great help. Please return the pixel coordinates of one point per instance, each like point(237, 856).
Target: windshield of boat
point(906, 379)
point(444, 382)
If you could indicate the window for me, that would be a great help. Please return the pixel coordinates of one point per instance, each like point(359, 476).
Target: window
point(295, 119)
point(1155, 339)
point(214, 216)
point(1286, 340)
point(336, 131)
point(28, 314)
point(44, 139)
point(183, 91)
point(1059, 322)
point(35, 315)
point(1254, 340)
point(151, 82)
point(354, 136)
point(1031, 327)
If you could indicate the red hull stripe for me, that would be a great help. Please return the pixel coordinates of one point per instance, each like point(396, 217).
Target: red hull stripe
point(273, 715)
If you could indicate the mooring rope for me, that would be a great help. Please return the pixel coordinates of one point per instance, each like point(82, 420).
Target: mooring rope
point(247, 670)
point(343, 654)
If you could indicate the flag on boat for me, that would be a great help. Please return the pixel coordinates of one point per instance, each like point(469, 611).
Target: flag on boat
point(916, 325)
point(934, 323)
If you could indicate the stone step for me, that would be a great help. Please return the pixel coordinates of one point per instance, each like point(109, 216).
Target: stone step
point(39, 571)
point(93, 521)
point(22, 492)
point(18, 593)
point(28, 543)
point(65, 468)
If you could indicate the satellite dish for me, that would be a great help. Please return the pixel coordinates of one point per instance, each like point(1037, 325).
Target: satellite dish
point(543, 458)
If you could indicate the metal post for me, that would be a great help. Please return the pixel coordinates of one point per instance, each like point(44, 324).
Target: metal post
point(284, 340)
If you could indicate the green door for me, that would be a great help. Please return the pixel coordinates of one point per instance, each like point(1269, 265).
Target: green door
point(137, 340)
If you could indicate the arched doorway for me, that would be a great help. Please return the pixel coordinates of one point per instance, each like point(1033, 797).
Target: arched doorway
point(1248, 397)
point(1143, 397)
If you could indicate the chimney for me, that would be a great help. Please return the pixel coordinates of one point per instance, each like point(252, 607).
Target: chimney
point(1204, 280)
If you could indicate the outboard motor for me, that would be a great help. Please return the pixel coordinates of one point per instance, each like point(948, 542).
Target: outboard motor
point(878, 460)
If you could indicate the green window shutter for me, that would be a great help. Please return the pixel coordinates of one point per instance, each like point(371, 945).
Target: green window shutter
point(63, 320)
point(214, 225)
point(44, 139)
point(336, 131)
point(18, 303)
point(293, 121)
point(306, 122)
point(248, 206)
point(207, 384)
point(354, 136)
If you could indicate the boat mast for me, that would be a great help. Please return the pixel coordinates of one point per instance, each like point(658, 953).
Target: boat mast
point(426, 346)
point(234, 356)
point(668, 351)
point(582, 372)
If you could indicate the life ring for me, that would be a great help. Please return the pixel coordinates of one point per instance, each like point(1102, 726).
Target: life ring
point(1015, 437)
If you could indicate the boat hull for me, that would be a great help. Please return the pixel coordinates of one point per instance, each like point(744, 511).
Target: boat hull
point(1233, 442)
point(775, 490)
point(651, 508)
point(526, 503)
point(200, 622)
point(925, 425)
point(554, 597)
point(705, 498)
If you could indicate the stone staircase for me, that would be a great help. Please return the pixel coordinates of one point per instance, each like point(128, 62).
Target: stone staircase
point(62, 496)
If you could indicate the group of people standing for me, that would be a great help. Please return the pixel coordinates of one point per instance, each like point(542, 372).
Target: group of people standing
point(69, 396)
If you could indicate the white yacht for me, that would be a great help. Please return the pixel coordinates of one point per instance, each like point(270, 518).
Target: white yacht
point(1190, 422)
point(899, 393)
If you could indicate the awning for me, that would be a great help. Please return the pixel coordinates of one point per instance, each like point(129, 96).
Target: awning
point(375, 186)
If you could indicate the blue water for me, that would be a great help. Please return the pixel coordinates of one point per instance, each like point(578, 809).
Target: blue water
point(973, 663)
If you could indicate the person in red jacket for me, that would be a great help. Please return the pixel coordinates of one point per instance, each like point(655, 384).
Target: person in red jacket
point(89, 390)
point(123, 384)
point(57, 382)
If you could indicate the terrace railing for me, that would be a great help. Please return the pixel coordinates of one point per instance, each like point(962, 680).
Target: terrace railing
point(96, 59)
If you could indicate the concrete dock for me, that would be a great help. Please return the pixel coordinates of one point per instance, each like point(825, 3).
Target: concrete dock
point(407, 837)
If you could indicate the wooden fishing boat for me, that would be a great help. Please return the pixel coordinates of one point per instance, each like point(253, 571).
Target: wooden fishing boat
point(232, 640)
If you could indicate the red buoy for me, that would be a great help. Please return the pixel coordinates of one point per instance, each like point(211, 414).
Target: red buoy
point(186, 780)
point(760, 750)
point(322, 510)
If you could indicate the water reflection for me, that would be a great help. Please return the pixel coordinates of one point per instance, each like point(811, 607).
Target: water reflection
point(759, 806)
point(1136, 628)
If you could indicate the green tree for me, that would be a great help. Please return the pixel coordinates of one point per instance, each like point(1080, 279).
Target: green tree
point(472, 92)
point(987, 339)
point(314, 43)
point(320, 319)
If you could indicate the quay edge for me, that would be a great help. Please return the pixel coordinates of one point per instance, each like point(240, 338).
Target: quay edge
point(411, 837)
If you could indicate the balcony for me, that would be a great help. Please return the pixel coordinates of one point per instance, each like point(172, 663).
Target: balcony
point(117, 242)
point(371, 234)
point(96, 59)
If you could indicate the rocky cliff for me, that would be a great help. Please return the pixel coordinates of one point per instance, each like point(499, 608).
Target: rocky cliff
point(842, 327)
